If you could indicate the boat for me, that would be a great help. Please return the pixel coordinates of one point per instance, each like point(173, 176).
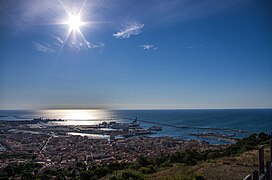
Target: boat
point(45, 120)
point(143, 132)
point(119, 125)
point(155, 128)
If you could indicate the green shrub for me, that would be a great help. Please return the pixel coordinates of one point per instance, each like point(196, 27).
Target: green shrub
point(167, 164)
point(117, 178)
point(101, 171)
point(132, 174)
point(144, 161)
point(148, 169)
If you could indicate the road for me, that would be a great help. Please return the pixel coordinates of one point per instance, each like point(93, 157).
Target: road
point(45, 144)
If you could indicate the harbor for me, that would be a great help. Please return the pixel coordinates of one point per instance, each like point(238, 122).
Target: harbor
point(126, 128)
point(113, 128)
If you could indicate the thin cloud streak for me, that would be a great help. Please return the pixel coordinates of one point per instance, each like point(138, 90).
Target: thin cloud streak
point(148, 47)
point(193, 47)
point(86, 45)
point(45, 48)
point(56, 43)
point(129, 30)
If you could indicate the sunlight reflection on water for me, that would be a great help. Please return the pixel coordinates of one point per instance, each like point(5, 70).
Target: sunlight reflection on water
point(79, 116)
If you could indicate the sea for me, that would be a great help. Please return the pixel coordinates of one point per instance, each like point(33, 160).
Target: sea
point(175, 123)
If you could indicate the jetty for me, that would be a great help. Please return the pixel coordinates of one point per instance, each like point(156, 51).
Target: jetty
point(193, 127)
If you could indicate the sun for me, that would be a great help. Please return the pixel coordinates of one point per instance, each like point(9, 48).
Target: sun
point(74, 23)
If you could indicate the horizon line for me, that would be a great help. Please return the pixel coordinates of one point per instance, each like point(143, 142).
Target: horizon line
point(229, 108)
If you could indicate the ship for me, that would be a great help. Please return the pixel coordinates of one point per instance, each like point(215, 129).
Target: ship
point(155, 128)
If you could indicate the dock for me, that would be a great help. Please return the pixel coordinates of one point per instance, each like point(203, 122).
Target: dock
point(194, 127)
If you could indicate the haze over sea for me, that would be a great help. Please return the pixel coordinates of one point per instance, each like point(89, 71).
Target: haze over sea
point(251, 120)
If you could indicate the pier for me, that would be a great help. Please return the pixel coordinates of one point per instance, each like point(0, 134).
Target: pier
point(193, 127)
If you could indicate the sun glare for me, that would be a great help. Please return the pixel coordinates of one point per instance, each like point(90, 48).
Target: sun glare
point(74, 23)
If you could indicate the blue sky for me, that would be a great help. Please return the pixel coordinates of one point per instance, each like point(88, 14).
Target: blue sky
point(136, 54)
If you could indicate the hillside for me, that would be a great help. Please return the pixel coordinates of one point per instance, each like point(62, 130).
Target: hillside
point(222, 168)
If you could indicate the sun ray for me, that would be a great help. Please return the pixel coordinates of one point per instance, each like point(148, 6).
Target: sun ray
point(81, 8)
point(67, 34)
point(83, 37)
point(64, 7)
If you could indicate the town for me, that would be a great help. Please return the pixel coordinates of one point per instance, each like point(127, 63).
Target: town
point(53, 146)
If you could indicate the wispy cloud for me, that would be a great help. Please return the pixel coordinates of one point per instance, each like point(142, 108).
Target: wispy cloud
point(194, 46)
point(95, 45)
point(129, 30)
point(58, 40)
point(56, 44)
point(148, 46)
point(45, 48)
point(85, 45)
